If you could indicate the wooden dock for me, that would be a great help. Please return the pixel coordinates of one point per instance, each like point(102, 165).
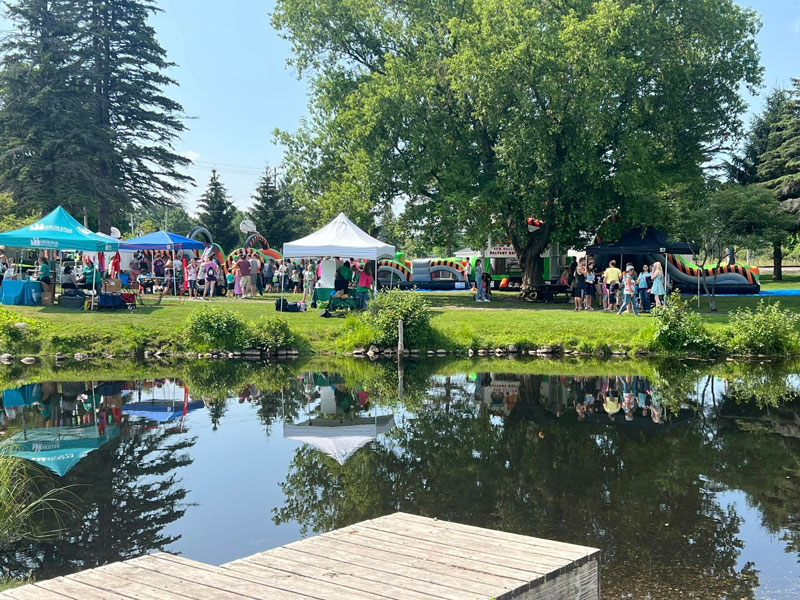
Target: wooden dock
point(397, 557)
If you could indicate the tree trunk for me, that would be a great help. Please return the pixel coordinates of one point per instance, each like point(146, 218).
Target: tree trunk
point(777, 261)
point(529, 262)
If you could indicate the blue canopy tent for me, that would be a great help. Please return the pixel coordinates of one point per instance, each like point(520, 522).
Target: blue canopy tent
point(59, 448)
point(161, 240)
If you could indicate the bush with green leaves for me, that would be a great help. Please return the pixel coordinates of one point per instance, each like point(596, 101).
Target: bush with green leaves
point(269, 334)
point(765, 330)
point(387, 308)
point(213, 328)
point(18, 334)
point(678, 329)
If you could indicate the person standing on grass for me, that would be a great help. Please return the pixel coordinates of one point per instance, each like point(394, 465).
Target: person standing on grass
point(209, 272)
point(591, 289)
point(629, 291)
point(364, 285)
point(243, 268)
point(611, 276)
point(643, 288)
point(254, 273)
point(659, 289)
point(579, 284)
point(269, 272)
point(480, 295)
point(191, 277)
point(309, 277)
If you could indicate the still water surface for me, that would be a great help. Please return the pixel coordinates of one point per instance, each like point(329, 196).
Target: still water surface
point(689, 482)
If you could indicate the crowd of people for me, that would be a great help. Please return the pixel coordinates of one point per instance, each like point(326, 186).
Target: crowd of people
point(619, 291)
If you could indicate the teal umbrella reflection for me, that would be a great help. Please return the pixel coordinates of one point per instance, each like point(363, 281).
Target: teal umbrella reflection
point(59, 448)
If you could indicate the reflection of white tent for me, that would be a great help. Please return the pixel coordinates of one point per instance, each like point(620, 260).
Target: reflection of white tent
point(340, 237)
point(339, 439)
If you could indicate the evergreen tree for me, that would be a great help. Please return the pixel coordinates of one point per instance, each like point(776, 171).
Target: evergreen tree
point(217, 213)
point(274, 211)
point(747, 167)
point(48, 147)
point(127, 67)
point(780, 163)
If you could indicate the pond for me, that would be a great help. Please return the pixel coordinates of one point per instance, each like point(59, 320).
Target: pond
point(685, 475)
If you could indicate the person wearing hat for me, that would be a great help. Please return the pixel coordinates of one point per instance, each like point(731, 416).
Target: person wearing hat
point(629, 291)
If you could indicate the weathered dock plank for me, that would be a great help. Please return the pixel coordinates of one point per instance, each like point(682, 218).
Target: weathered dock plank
point(397, 557)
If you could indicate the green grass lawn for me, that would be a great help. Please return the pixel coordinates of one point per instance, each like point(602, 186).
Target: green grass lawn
point(790, 281)
point(458, 320)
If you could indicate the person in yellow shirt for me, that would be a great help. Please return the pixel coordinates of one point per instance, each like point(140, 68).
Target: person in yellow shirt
point(611, 276)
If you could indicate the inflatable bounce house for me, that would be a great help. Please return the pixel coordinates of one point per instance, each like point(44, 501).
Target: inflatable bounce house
point(646, 246)
point(423, 273)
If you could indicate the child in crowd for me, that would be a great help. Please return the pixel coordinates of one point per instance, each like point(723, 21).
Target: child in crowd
point(296, 281)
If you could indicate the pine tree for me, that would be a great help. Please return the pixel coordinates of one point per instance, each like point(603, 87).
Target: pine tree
point(48, 147)
point(780, 164)
point(127, 66)
point(274, 211)
point(217, 213)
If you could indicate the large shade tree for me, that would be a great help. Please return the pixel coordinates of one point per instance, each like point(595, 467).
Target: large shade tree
point(479, 114)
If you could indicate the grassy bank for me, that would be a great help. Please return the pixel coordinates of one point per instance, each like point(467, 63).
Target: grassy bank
point(457, 323)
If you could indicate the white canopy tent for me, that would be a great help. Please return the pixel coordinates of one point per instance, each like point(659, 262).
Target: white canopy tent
point(339, 439)
point(341, 237)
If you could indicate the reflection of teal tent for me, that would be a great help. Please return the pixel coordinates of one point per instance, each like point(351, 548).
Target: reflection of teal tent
point(59, 448)
point(23, 396)
point(57, 231)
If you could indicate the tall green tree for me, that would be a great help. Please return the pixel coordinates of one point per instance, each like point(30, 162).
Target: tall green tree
point(84, 117)
point(493, 111)
point(744, 167)
point(48, 146)
point(127, 68)
point(274, 211)
point(218, 214)
point(779, 163)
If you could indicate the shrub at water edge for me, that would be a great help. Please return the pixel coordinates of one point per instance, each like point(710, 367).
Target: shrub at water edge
point(765, 330)
point(215, 329)
point(378, 325)
point(678, 329)
point(269, 334)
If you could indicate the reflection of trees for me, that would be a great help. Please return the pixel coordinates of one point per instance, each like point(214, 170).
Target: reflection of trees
point(129, 491)
point(649, 503)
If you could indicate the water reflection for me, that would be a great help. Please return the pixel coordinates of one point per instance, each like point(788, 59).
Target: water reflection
point(122, 472)
point(658, 465)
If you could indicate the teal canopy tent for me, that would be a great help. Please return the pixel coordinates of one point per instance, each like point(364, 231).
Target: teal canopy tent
point(58, 231)
point(59, 448)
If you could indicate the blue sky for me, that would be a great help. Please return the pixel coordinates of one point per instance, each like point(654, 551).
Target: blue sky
point(236, 88)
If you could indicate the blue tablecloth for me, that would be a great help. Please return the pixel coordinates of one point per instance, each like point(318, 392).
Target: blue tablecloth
point(21, 292)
